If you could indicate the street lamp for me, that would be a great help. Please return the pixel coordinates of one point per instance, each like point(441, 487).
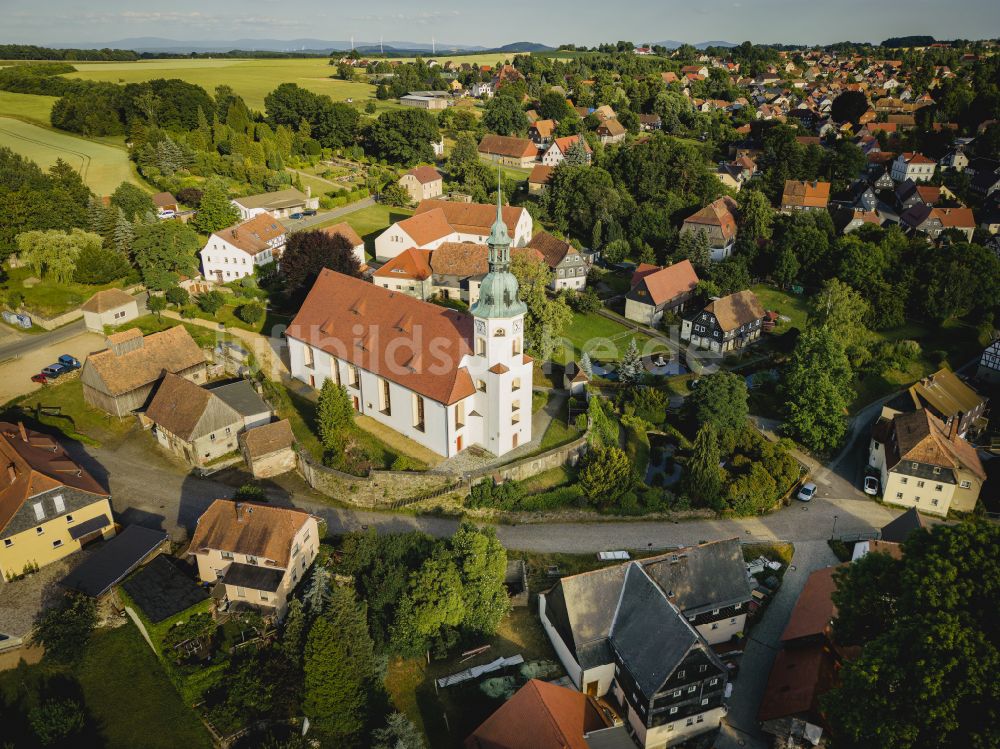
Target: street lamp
point(834, 531)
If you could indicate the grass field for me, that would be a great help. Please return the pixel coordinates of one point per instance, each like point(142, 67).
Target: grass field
point(604, 339)
point(102, 166)
point(49, 297)
point(26, 106)
point(370, 222)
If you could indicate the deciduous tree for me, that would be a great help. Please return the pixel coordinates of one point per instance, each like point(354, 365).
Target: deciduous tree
point(817, 389)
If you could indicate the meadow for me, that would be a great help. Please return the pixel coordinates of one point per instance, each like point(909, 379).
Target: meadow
point(102, 166)
point(28, 107)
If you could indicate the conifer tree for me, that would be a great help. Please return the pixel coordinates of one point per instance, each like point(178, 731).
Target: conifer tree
point(630, 368)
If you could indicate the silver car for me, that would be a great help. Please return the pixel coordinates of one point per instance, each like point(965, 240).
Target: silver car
point(807, 492)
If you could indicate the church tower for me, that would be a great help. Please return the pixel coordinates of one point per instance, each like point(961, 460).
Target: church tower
point(504, 370)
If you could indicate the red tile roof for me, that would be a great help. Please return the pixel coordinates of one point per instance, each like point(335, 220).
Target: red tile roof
point(425, 174)
point(666, 283)
point(259, 530)
point(814, 610)
point(253, 236)
point(539, 716)
point(505, 145)
point(471, 218)
point(540, 174)
point(806, 194)
point(721, 213)
point(345, 230)
point(798, 678)
point(415, 344)
point(412, 264)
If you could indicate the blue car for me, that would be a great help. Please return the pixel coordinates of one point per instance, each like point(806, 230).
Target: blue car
point(296, 216)
point(54, 370)
point(70, 362)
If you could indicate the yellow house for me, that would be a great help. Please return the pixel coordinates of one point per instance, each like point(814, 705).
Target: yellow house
point(924, 464)
point(50, 507)
point(256, 552)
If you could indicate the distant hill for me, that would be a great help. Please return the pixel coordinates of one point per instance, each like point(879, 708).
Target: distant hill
point(674, 44)
point(524, 47)
point(155, 44)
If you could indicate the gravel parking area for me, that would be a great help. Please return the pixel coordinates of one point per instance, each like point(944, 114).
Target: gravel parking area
point(15, 374)
point(22, 600)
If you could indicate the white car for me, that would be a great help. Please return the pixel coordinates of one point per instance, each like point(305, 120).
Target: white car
point(807, 492)
point(871, 485)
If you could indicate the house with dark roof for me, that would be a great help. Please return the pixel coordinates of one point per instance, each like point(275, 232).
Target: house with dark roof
point(568, 265)
point(541, 715)
point(50, 506)
point(718, 221)
point(726, 324)
point(950, 399)
point(898, 530)
point(924, 464)
point(279, 204)
point(446, 379)
point(121, 378)
point(656, 290)
point(254, 553)
point(622, 636)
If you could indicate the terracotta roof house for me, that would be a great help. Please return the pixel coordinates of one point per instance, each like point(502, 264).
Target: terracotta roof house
point(109, 307)
point(164, 201)
point(269, 450)
point(435, 222)
point(541, 715)
point(50, 506)
point(924, 464)
point(950, 399)
point(913, 166)
point(508, 150)
point(803, 195)
point(718, 221)
point(422, 183)
point(409, 272)
point(568, 265)
point(256, 552)
point(557, 150)
point(640, 633)
point(932, 221)
point(727, 324)
point(611, 131)
point(446, 379)
point(121, 378)
point(538, 180)
point(541, 131)
point(347, 232)
point(657, 290)
point(235, 252)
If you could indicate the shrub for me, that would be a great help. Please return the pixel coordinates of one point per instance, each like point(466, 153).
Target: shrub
point(250, 313)
point(64, 631)
point(505, 496)
point(97, 265)
point(178, 296)
point(210, 302)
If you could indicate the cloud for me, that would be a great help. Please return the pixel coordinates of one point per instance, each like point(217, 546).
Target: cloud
point(202, 20)
point(422, 18)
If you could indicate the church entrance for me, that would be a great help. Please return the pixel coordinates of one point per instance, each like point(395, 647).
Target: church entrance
point(458, 443)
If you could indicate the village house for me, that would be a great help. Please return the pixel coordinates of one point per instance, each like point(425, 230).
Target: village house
point(446, 379)
point(121, 378)
point(611, 131)
point(657, 290)
point(950, 400)
point(924, 464)
point(727, 324)
point(650, 122)
point(408, 273)
point(50, 506)
point(200, 424)
point(165, 203)
point(438, 221)
point(933, 221)
point(257, 553)
point(109, 307)
point(569, 267)
point(237, 251)
point(280, 204)
point(508, 150)
point(912, 166)
point(989, 364)
point(423, 102)
point(639, 634)
point(347, 233)
point(556, 152)
point(422, 183)
point(538, 180)
point(269, 450)
point(718, 221)
point(541, 131)
point(804, 195)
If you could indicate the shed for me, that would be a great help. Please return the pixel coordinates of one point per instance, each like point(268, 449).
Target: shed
point(109, 307)
point(268, 450)
point(111, 563)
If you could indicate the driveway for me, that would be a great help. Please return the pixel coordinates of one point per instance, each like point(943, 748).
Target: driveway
point(16, 372)
point(301, 224)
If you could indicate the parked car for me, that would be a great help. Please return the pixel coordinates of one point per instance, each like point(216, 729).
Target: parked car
point(54, 370)
point(70, 362)
point(296, 216)
point(807, 492)
point(40, 379)
point(310, 212)
point(871, 485)
point(166, 214)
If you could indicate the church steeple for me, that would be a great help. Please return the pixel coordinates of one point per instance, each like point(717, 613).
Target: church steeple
point(499, 290)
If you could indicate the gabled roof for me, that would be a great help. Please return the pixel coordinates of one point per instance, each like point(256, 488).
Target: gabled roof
point(345, 230)
point(188, 411)
point(814, 611)
point(471, 218)
point(736, 309)
point(106, 300)
point(921, 437)
point(505, 145)
point(171, 350)
point(36, 463)
point(254, 235)
point(582, 609)
point(945, 393)
point(426, 227)
point(798, 677)
point(911, 157)
point(667, 283)
point(611, 127)
point(394, 324)
point(260, 530)
point(412, 264)
point(564, 143)
point(898, 530)
point(956, 218)
point(806, 194)
point(552, 249)
point(425, 174)
point(241, 397)
point(268, 438)
point(163, 199)
point(703, 577)
point(544, 128)
point(540, 174)
point(720, 213)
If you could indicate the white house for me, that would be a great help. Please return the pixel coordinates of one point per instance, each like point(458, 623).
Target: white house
point(438, 221)
point(235, 252)
point(556, 152)
point(443, 378)
point(912, 166)
point(109, 307)
point(279, 204)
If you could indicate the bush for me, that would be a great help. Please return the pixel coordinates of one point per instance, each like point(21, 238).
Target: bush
point(97, 265)
point(406, 463)
point(56, 721)
point(250, 313)
point(178, 296)
point(505, 496)
point(211, 301)
point(64, 631)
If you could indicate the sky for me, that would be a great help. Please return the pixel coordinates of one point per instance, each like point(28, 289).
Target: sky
point(493, 24)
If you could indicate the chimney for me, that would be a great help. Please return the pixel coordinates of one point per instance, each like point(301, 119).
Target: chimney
point(239, 512)
point(24, 433)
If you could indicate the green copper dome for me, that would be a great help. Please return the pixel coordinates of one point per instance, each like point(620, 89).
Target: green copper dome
point(499, 290)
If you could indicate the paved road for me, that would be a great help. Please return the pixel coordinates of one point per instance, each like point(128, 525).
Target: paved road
point(30, 342)
point(304, 223)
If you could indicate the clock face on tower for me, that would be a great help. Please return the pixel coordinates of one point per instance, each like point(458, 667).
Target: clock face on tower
point(481, 327)
point(517, 326)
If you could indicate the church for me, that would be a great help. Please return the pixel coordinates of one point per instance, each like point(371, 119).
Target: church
point(446, 379)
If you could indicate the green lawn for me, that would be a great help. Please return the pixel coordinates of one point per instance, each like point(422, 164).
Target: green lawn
point(102, 166)
point(128, 698)
point(603, 338)
point(49, 297)
point(26, 106)
point(65, 410)
point(794, 306)
point(370, 222)
point(152, 324)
